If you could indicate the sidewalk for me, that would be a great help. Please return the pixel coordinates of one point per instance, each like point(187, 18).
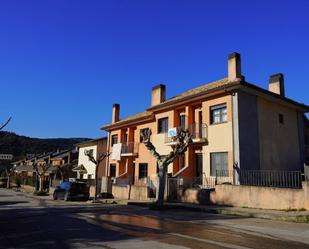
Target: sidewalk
point(279, 215)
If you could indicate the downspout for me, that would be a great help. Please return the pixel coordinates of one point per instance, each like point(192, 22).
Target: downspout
point(107, 152)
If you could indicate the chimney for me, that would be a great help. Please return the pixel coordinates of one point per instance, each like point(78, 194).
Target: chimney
point(276, 84)
point(234, 67)
point(115, 114)
point(158, 94)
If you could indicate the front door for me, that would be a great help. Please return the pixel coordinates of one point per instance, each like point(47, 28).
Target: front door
point(199, 165)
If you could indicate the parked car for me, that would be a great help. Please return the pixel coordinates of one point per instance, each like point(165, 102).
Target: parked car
point(71, 191)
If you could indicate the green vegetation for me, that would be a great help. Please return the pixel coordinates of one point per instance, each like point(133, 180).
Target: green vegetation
point(19, 146)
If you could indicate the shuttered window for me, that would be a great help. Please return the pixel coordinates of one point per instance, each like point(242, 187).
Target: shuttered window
point(218, 165)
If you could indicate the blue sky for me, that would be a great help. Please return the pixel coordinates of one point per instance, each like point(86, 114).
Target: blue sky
point(64, 63)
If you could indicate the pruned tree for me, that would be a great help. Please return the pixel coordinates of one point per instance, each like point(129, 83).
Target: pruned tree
point(9, 172)
point(183, 139)
point(96, 162)
point(5, 124)
point(41, 169)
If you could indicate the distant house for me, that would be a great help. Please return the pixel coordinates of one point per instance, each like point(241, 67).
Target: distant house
point(85, 168)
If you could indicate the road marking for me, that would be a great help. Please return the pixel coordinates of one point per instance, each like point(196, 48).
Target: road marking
point(222, 244)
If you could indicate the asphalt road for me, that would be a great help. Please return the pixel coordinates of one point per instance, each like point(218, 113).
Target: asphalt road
point(27, 222)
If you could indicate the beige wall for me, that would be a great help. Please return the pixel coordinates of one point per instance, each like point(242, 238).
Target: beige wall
point(279, 143)
point(220, 136)
point(261, 197)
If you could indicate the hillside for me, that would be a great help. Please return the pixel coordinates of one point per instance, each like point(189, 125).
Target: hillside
point(19, 146)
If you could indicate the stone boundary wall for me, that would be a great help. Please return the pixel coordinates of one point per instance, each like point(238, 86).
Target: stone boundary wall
point(130, 192)
point(250, 196)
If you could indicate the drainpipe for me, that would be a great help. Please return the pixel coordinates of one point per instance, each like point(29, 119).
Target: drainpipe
point(107, 159)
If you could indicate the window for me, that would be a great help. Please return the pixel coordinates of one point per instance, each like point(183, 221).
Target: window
point(183, 121)
point(143, 170)
point(281, 118)
point(112, 170)
point(114, 139)
point(163, 125)
point(141, 131)
point(218, 114)
point(218, 164)
point(90, 152)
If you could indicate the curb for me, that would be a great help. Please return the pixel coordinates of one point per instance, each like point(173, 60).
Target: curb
point(299, 218)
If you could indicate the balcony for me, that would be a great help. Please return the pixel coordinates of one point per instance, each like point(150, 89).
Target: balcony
point(129, 149)
point(197, 130)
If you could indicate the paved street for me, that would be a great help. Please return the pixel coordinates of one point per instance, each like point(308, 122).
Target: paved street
point(28, 222)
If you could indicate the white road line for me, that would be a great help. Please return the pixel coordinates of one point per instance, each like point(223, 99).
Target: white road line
point(231, 246)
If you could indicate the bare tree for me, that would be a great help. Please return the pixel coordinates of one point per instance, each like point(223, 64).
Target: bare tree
point(40, 170)
point(97, 162)
point(9, 172)
point(5, 124)
point(183, 140)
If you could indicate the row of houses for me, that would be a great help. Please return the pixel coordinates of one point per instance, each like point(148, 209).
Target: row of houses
point(242, 134)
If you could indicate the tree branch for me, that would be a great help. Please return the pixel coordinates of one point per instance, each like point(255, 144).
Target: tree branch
point(5, 124)
point(146, 141)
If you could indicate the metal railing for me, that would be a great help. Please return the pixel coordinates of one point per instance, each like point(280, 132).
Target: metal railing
point(129, 148)
point(270, 178)
point(197, 130)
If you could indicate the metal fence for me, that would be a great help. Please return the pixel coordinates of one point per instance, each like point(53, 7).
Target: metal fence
point(270, 178)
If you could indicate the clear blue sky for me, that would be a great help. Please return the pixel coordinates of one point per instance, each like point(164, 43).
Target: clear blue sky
point(64, 63)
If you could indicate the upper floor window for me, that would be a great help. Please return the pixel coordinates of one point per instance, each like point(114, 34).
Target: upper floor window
point(141, 132)
point(218, 114)
point(90, 152)
point(114, 139)
point(163, 125)
point(182, 121)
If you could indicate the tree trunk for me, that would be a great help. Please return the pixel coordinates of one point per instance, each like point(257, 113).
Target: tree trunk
point(96, 182)
point(162, 181)
point(41, 183)
point(8, 183)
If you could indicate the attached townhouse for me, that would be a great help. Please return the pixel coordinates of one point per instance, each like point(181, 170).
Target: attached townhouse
point(235, 126)
point(85, 168)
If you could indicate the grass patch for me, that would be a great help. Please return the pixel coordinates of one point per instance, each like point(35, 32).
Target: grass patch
point(40, 193)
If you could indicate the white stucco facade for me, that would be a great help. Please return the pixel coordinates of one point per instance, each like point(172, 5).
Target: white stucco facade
point(83, 160)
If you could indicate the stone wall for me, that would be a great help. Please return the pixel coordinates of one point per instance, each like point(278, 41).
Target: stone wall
point(130, 192)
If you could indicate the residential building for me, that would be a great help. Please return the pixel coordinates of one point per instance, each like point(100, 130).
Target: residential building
point(234, 125)
point(86, 168)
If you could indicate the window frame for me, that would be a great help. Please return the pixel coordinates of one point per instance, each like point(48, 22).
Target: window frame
point(142, 173)
point(222, 108)
point(212, 170)
point(162, 128)
point(112, 139)
point(140, 134)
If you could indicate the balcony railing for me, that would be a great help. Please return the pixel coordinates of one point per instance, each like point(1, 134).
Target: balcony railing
point(197, 130)
point(130, 148)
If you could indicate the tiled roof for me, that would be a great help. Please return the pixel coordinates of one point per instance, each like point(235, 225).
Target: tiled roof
point(191, 92)
point(203, 88)
point(137, 116)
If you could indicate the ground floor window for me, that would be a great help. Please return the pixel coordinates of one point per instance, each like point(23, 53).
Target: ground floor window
point(143, 170)
point(112, 170)
point(218, 164)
